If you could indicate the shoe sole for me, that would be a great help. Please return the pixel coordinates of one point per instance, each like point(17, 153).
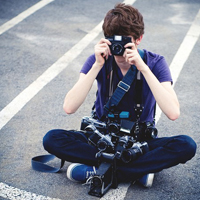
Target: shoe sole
point(70, 169)
point(149, 182)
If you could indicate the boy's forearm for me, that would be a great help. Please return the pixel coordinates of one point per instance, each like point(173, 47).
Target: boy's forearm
point(164, 95)
point(76, 96)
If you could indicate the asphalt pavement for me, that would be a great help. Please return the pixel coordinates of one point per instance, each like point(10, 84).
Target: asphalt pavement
point(35, 46)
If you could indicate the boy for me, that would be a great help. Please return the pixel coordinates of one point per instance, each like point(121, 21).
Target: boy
point(108, 70)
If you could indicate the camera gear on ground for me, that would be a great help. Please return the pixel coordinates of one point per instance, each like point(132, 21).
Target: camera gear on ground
point(105, 177)
point(115, 140)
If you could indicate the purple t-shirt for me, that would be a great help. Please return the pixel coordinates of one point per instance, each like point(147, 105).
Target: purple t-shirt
point(158, 66)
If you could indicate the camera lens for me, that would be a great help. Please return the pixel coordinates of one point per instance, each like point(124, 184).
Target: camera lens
point(151, 133)
point(90, 128)
point(97, 181)
point(129, 155)
point(102, 145)
point(117, 49)
point(114, 127)
point(126, 156)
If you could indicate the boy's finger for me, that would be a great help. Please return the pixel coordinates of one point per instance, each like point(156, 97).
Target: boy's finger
point(130, 45)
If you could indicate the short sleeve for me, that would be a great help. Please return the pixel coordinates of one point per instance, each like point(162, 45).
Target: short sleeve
point(88, 64)
point(162, 71)
point(158, 66)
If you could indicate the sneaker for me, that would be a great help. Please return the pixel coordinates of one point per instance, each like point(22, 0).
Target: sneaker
point(147, 180)
point(80, 172)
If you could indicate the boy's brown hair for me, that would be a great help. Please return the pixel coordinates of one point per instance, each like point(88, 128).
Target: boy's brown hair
point(123, 20)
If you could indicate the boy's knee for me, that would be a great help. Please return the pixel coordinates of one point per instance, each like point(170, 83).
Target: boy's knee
point(189, 147)
point(48, 139)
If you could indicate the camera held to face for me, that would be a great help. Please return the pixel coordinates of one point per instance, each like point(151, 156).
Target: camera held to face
point(118, 43)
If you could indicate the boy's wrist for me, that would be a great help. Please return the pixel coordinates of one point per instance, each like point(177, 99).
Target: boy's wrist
point(97, 65)
point(144, 69)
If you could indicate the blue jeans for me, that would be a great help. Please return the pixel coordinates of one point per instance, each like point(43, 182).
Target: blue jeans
point(165, 152)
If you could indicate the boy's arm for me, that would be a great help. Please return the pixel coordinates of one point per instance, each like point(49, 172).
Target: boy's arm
point(164, 94)
point(76, 96)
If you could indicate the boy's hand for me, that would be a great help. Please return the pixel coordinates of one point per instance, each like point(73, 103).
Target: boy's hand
point(102, 51)
point(132, 56)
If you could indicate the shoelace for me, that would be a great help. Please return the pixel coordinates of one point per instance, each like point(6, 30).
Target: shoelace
point(88, 181)
point(89, 176)
point(90, 173)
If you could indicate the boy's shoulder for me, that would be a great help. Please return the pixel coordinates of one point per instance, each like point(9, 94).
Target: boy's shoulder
point(151, 55)
point(154, 59)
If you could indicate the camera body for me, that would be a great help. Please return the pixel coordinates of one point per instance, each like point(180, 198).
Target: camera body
point(117, 44)
point(137, 149)
point(146, 131)
point(101, 126)
point(105, 176)
point(101, 141)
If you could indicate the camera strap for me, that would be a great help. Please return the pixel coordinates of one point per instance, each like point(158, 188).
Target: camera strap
point(123, 87)
point(39, 163)
point(138, 98)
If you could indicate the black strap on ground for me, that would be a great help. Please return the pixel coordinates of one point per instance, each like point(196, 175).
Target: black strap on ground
point(39, 163)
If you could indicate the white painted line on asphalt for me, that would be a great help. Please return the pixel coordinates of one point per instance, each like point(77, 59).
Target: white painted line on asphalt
point(185, 48)
point(8, 112)
point(12, 193)
point(14, 21)
point(183, 53)
point(117, 194)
